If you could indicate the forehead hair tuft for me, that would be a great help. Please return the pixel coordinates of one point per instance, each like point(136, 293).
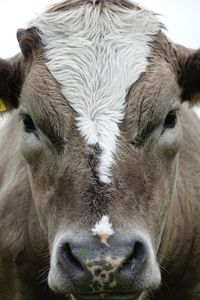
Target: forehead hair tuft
point(69, 4)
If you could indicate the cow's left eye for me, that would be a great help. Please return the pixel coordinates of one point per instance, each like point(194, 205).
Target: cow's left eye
point(170, 120)
point(29, 125)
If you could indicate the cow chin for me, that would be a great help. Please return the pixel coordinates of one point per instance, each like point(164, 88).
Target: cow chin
point(60, 285)
point(137, 296)
point(102, 271)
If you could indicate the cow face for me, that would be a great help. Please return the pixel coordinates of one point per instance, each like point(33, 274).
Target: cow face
point(99, 90)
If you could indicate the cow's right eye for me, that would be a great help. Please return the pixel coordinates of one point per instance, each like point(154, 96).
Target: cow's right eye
point(28, 124)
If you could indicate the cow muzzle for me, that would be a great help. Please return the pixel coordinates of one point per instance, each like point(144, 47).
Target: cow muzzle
point(90, 269)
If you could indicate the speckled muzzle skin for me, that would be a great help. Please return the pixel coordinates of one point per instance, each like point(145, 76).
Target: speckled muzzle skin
point(91, 269)
point(102, 263)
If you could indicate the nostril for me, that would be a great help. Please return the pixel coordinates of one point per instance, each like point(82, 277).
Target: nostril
point(139, 253)
point(134, 262)
point(69, 261)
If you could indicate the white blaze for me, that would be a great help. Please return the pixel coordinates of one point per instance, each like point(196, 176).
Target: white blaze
point(96, 54)
point(103, 227)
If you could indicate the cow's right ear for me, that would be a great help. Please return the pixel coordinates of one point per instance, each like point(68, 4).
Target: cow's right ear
point(11, 78)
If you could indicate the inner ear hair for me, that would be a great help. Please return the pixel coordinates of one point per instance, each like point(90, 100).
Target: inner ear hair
point(11, 78)
point(190, 78)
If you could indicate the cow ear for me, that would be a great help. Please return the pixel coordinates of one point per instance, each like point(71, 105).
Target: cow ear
point(12, 71)
point(29, 42)
point(189, 77)
point(11, 77)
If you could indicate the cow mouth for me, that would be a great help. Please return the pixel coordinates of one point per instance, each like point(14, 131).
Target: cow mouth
point(106, 296)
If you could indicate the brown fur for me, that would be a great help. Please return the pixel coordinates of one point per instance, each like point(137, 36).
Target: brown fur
point(29, 42)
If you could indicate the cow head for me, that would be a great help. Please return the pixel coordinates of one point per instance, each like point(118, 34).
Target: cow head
point(99, 90)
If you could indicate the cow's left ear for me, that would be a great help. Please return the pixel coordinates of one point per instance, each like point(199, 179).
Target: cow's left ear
point(189, 76)
point(11, 77)
point(12, 70)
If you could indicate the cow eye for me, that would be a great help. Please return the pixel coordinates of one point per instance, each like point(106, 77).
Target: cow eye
point(170, 120)
point(28, 124)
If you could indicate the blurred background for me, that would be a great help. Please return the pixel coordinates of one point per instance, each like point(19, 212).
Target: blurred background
point(181, 18)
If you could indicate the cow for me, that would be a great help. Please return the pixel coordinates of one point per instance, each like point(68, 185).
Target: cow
point(100, 164)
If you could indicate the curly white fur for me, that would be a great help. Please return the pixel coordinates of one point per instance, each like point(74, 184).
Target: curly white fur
point(96, 53)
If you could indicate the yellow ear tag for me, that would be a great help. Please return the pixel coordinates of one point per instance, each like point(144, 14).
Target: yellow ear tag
point(2, 106)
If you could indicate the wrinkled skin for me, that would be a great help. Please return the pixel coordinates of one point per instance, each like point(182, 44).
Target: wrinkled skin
point(49, 185)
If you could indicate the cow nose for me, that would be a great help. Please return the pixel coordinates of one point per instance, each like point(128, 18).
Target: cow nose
point(71, 262)
point(103, 266)
point(133, 263)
